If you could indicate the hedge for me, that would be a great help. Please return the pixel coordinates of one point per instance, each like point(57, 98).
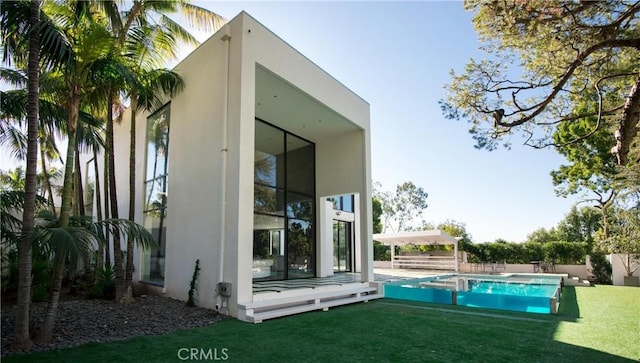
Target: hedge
point(565, 253)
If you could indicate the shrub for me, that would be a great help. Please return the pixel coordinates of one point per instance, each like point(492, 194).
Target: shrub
point(600, 267)
point(381, 252)
point(192, 285)
point(533, 251)
point(557, 252)
point(105, 287)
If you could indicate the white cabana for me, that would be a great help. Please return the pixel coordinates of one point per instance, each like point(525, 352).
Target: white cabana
point(430, 237)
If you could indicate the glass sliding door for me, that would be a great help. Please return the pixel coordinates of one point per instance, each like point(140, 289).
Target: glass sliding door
point(268, 247)
point(284, 207)
point(342, 246)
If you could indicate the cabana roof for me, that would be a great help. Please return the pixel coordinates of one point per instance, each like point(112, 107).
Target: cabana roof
point(429, 237)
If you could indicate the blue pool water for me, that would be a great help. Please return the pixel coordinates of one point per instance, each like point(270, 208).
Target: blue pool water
point(516, 292)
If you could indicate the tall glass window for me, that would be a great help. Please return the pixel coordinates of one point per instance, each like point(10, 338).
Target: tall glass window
point(89, 188)
point(284, 207)
point(155, 202)
point(342, 202)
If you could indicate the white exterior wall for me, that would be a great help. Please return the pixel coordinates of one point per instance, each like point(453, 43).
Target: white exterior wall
point(211, 160)
point(193, 221)
point(352, 175)
point(618, 271)
point(324, 261)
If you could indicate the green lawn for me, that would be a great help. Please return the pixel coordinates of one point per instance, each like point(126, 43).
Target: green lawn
point(598, 324)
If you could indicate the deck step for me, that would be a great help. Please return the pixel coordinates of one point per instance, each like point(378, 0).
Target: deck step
point(270, 314)
point(576, 281)
point(261, 310)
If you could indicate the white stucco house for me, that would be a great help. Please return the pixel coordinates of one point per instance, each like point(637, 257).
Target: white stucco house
point(260, 168)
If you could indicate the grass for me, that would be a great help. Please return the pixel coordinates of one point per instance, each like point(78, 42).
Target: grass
point(599, 324)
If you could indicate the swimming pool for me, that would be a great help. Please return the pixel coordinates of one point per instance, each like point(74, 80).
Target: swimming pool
point(516, 292)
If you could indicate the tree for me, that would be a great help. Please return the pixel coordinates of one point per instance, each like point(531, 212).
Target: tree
point(88, 59)
point(376, 209)
point(149, 37)
point(77, 52)
point(458, 230)
point(542, 235)
point(625, 239)
point(12, 30)
point(542, 57)
point(592, 166)
point(402, 208)
point(12, 179)
point(155, 87)
point(380, 251)
point(580, 225)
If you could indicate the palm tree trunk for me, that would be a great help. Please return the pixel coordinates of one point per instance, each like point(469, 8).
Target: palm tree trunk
point(65, 214)
point(100, 254)
point(107, 252)
point(22, 339)
point(47, 179)
point(79, 187)
point(117, 250)
point(46, 334)
point(86, 257)
point(128, 281)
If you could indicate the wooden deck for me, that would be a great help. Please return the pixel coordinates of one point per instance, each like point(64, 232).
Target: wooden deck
point(273, 299)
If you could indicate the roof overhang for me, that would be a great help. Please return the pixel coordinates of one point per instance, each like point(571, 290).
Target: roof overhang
point(430, 237)
point(290, 108)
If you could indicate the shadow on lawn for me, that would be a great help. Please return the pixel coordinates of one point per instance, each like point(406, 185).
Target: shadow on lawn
point(569, 309)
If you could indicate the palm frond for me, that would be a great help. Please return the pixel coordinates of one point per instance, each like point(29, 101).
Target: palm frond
point(73, 242)
point(178, 30)
point(52, 117)
point(11, 203)
point(159, 85)
point(55, 47)
point(13, 77)
point(112, 71)
point(201, 18)
point(89, 137)
point(13, 105)
point(110, 9)
point(140, 236)
point(14, 140)
point(14, 24)
point(150, 46)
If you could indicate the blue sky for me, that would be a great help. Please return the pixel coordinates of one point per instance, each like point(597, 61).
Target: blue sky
point(397, 56)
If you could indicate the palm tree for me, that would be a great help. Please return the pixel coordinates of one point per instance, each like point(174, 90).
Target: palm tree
point(80, 48)
point(12, 179)
point(74, 241)
point(151, 37)
point(89, 139)
point(11, 27)
point(155, 86)
point(90, 59)
point(11, 206)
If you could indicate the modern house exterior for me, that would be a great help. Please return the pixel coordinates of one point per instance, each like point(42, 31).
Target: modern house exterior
point(260, 169)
